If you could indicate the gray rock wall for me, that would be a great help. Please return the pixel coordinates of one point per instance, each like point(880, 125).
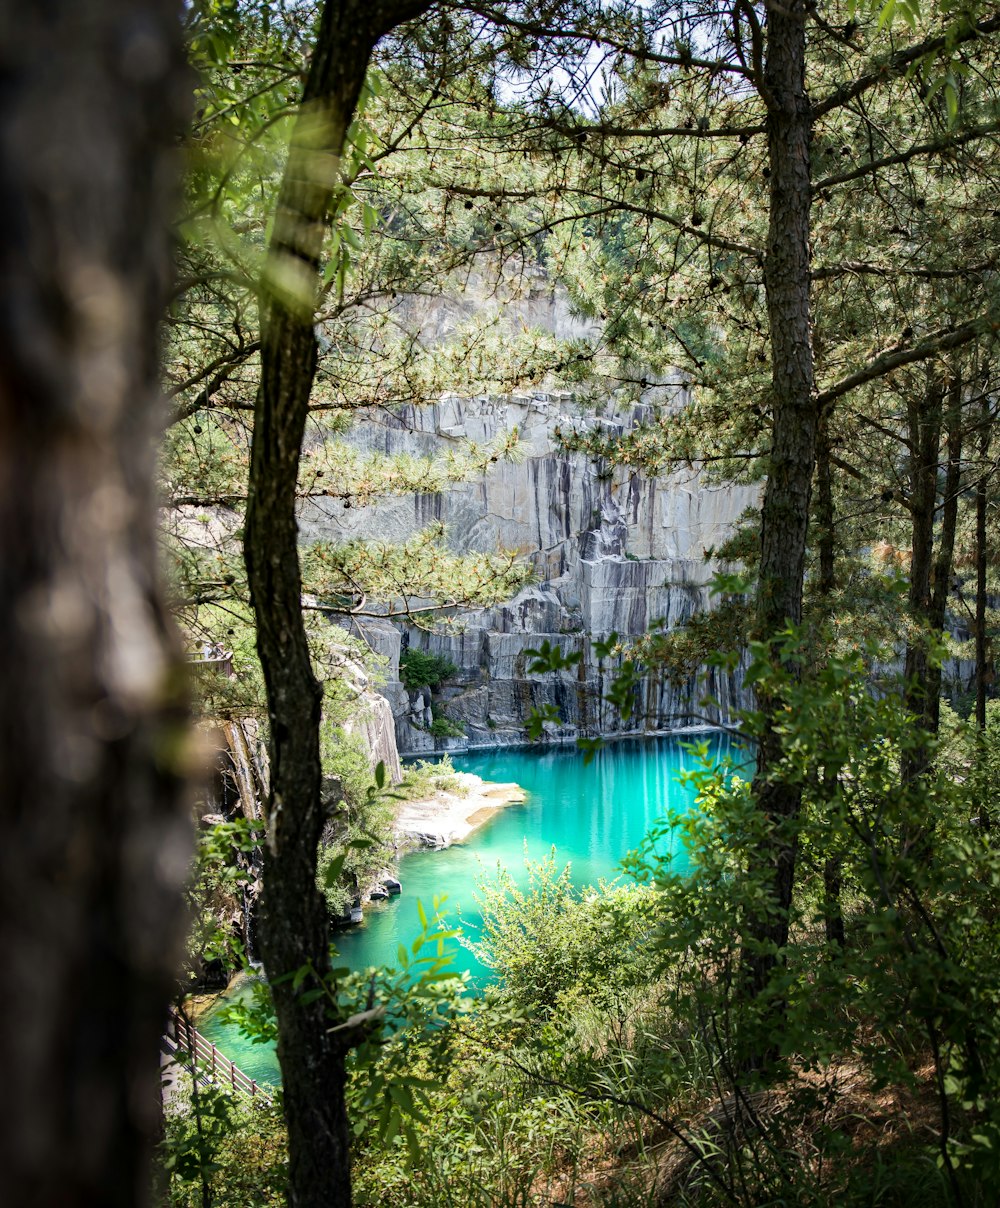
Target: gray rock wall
point(612, 551)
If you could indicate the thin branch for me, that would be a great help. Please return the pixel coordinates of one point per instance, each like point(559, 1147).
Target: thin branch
point(944, 341)
point(898, 63)
point(902, 157)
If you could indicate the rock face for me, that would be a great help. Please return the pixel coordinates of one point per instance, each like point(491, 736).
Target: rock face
point(612, 552)
point(373, 722)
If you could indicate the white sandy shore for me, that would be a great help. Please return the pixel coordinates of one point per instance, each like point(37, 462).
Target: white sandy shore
point(448, 818)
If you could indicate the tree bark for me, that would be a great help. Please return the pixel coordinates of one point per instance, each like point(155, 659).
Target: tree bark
point(294, 930)
point(984, 663)
point(833, 916)
point(96, 840)
point(785, 512)
point(929, 573)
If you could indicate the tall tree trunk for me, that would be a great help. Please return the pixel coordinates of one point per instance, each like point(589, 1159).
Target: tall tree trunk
point(945, 555)
point(924, 418)
point(930, 571)
point(294, 931)
point(984, 663)
point(96, 839)
point(833, 915)
point(785, 513)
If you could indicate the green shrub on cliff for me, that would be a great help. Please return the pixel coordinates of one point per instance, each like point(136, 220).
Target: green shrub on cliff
point(419, 669)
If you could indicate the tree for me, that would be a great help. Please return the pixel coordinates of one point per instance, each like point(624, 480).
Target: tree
point(295, 932)
point(670, 152)
point(92, 731)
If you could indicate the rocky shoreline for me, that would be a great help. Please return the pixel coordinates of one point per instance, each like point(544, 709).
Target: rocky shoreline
point(450, 817)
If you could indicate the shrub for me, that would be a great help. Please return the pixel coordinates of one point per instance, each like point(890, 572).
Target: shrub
point(358, 840)
point(424, 779)
point(551, 939)
point(222, 1150)
point(444, 727)
point(420, 669)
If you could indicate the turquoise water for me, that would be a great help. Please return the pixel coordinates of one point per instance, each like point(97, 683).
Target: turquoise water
point(591, 814)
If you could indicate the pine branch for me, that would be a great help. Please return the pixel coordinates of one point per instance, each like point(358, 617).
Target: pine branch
point(903, 157)
point(887, 362)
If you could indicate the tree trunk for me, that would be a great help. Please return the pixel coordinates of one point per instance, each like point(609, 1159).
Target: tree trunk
point(826, 541)
point(785, 513)
point(294, 932)
point(946, 545)
point(984, 663)
point(930, 572)
point(924, 417)
point(96, 840)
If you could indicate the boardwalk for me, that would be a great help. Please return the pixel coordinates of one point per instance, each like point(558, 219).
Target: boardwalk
point(184, 1048)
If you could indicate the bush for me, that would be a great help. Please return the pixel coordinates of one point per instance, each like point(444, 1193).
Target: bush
point(424, 779)
point(551, 939)
point(444, 727)
point(222, 1149)
point(420, 669)
point(358, 840)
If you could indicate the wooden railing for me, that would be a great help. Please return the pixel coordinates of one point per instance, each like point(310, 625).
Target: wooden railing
point(200, 1055)
point(222, 663)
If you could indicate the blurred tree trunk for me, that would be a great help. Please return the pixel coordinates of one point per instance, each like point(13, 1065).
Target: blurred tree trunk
point(94, 837)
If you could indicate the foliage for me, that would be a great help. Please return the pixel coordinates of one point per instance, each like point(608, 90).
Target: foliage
point(358, 841)
point(921, 900)
point(444, 727)
point(550, 941)
point(424, 778)
point(650, 205)
point(221, 1150)
point(422, 669)
point(220, 875)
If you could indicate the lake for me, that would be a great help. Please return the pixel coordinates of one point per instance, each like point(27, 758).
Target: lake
point(591, 814)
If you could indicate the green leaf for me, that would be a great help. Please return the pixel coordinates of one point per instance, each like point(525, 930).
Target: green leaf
point(331, 874)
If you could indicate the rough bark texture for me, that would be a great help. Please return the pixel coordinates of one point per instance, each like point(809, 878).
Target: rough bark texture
point(826, 542)
point(984, 661)
point(95, 837)
point(294, 931)
point(785, 512)
point(930, 571)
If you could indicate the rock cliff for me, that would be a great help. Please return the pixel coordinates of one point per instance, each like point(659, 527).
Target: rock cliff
point(612, 551)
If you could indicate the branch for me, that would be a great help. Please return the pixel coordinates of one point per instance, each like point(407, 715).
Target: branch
point(500, 19)
point(606, 130)
point(902, 157)
point(896, 64)
point(221, 369)
point(865, 268)
point(943, 341)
